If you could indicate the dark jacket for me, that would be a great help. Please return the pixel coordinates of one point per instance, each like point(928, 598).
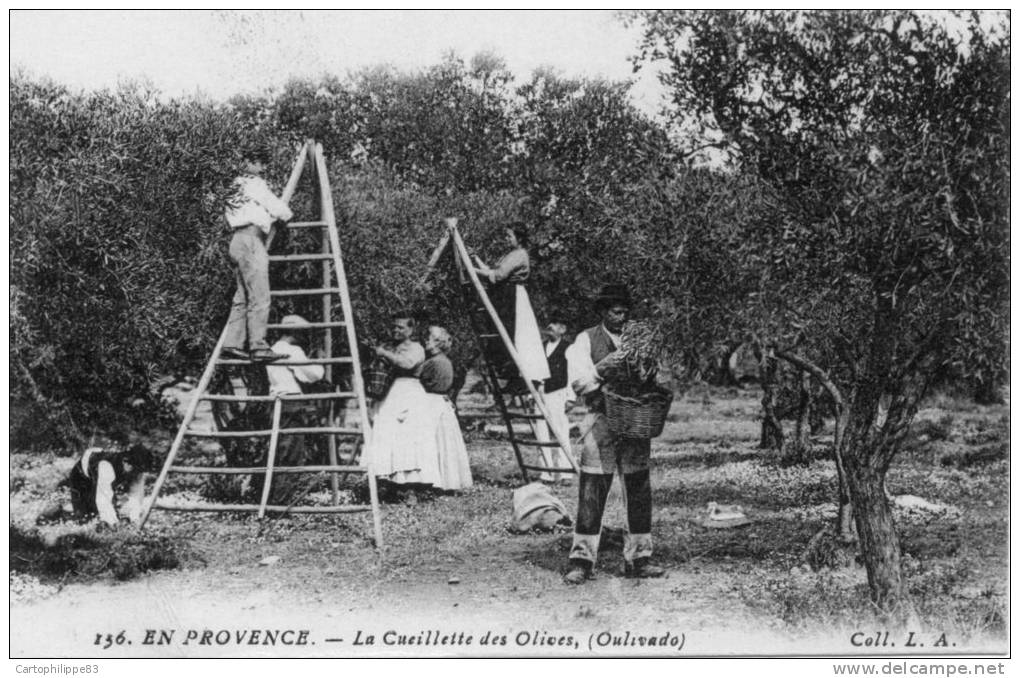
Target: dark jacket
point(557, 367)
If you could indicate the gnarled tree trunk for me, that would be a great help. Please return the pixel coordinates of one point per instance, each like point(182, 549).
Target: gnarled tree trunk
point(868, 453)
point(876, 529)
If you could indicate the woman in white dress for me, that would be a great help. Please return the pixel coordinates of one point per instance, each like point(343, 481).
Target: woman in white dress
point(437, 378)
point(401, 431)
point(510, 297)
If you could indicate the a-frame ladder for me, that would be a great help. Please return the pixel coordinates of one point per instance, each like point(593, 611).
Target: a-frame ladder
point(330, 292)
point(484, 319)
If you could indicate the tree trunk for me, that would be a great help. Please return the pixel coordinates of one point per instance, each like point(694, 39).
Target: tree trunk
point(844, 517)
point(805, 405)
point(880, 545)
point(845, 514)
point(771, 427)
point(988, 392)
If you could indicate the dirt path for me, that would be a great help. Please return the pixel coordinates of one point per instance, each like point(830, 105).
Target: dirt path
point(701, 616)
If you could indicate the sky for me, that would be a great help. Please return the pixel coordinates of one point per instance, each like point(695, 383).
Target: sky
point(221, 53)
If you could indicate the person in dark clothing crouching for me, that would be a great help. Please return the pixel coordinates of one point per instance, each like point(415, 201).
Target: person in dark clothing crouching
point(100, 472)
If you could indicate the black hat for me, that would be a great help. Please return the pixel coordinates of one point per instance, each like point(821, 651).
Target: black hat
point(613, 294)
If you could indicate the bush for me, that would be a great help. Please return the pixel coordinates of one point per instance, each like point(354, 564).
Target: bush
point(117, 240)
point(118, 247)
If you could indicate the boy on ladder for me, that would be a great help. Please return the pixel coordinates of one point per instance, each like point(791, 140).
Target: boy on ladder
point(250, 214)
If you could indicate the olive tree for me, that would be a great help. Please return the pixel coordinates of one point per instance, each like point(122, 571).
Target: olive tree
point(886, 134)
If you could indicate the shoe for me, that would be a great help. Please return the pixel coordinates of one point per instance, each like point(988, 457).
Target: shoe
point(641, 568)
point(234, 353)
point(579, 572)
point(264, 355)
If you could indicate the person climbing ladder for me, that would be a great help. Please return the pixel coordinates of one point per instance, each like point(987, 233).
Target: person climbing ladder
point(251, 213)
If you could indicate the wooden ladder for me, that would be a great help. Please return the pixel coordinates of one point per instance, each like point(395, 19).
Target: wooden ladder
point(484, 320)
point(330, 291)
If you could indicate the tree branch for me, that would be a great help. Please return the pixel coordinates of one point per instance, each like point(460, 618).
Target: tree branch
point(818, 373)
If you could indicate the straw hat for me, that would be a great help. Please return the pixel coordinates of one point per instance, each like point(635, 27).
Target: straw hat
point(294, 321)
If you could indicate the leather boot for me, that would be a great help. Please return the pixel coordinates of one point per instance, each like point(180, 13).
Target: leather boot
point(580, 571)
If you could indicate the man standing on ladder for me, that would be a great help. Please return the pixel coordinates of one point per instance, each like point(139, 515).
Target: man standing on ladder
point(603, 453)
point(250, 214)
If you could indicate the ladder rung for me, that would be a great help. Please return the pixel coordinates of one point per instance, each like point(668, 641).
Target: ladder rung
point(487, 336)
point(238, 470)
point(516, 414)
point(253, 508)
point(336, 430)
point(534, 443)
point(304, 293)
point(299, 257)
point(307, 361)
point(225, 398)
point(479, 415)
point(306, 224)
point(550, 469)
point(309, 326)
point(330, 430)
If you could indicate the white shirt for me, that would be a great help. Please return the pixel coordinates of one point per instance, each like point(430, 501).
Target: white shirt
point(283, 379)
point(254, 204)
point(581, 373)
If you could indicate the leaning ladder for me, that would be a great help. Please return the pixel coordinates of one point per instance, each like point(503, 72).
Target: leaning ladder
point(332, 268)
point(523, 446)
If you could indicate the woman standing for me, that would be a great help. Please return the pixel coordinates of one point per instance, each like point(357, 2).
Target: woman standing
point(454, 470)
point(400, 431)
point(510, 297)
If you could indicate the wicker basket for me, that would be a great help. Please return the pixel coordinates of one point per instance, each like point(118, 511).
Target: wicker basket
point(641, 416)
point(378, 376)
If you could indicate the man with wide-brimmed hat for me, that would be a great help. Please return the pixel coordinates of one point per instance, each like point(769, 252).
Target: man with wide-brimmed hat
point(287, 379)
point(604, 453)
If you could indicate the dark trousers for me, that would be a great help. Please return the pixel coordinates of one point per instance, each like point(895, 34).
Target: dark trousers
point(593, 490)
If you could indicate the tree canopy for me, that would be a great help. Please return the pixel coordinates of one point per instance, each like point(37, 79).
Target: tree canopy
point(884, 136)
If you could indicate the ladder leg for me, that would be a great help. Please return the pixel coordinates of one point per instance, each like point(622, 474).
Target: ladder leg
point(373, 494)
point(189, 415)
point(329, 215)
point(271, 457)
point(334, 478)
point(327, 340)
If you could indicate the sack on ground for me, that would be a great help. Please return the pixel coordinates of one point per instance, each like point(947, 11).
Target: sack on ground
point(537, 508)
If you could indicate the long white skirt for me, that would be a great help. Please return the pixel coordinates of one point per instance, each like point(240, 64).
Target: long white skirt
point(416, 439)
point(528, 340)
point(454, 466)
point(553, 457)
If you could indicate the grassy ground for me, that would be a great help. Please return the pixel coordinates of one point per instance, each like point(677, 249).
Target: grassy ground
point(451, 559)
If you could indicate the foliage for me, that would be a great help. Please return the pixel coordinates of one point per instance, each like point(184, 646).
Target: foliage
point(884, 135)
point(116, 235)
point(118, 245)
